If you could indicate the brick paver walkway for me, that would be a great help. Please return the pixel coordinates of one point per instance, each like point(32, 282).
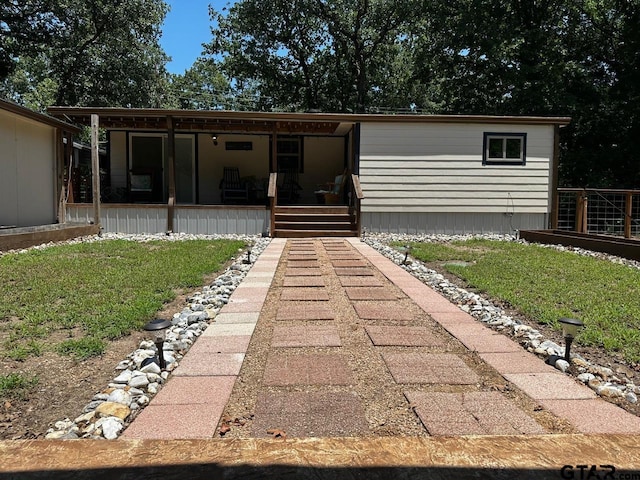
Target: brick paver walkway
point(436, 363)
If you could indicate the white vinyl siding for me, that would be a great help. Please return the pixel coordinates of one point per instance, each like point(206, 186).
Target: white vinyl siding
point(27, 172)
point(438, 168)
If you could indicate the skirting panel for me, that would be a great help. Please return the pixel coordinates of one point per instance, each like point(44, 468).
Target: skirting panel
point(451, 223)
point(153, 219)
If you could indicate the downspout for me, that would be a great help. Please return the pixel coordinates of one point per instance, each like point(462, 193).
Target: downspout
point(171, 146)
point(95, 170)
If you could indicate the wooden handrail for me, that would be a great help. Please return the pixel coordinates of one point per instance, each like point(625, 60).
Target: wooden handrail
point(357, 189)
point(356, 197)
point(273, 190)
point(272, 193)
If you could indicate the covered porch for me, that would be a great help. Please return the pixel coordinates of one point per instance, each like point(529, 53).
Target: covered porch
point(171, 168)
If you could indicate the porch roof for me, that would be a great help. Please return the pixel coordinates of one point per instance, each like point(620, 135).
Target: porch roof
point(38, 117)
point(222, 121)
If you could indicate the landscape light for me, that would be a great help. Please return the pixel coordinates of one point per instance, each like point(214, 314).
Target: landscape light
point(159, 328)
point(570, 327)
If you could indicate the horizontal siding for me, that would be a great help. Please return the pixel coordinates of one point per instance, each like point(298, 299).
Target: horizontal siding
point(438, 168)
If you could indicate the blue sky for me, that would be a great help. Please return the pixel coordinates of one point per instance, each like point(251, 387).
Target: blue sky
point(186, 28)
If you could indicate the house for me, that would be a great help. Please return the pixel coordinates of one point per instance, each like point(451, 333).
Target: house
point(32, 159)
point(168, 170)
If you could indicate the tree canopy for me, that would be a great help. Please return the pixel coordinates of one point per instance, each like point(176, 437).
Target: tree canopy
point(75, 52)
point(495, 57)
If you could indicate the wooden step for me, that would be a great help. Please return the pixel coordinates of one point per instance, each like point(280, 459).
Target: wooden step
point(312, 217)
point(299, 225)
point(322, 209)
point(314, 233)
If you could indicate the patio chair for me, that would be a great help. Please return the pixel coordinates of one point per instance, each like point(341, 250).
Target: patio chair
point(332, 192)
point(232, 188)
point(289, 190)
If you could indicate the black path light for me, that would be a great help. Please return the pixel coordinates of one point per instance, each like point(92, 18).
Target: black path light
point(570, 327)
point(247, 261)
point(407, 249)
point(159, 328)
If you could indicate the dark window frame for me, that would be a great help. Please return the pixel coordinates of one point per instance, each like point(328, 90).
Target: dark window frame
point(280, 154)
point(504, 160)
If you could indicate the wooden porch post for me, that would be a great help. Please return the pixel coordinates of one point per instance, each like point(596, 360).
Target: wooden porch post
point(171, 145)
point(95, 169)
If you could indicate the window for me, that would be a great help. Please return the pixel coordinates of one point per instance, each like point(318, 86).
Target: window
point(504, 149)
point(289, 154)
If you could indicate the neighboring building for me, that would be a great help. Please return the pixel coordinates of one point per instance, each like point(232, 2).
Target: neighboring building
point(32, 163)
point(418, 173)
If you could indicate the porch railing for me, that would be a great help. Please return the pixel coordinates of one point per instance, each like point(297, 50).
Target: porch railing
point(355, 202)
point(598, 211)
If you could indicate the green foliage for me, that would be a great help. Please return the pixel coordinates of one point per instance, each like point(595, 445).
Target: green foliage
point(303, 55)
point(16, 385)
point(74, 52)
point(92, 293)
point(545, 285)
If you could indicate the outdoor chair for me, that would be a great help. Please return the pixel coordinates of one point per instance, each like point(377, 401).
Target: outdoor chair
point(332, 192)
point(289, 190)
point(232, 188)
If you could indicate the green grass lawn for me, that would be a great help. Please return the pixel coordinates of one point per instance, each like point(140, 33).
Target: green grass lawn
point(73, 299)
point(545, 285)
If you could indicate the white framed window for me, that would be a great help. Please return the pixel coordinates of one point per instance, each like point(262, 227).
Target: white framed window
point(504, 149)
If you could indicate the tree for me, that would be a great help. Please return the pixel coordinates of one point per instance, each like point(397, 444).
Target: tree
point(201, 87)
point(103, 52)
point(308, 54)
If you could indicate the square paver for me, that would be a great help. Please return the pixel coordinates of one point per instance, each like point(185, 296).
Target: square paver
point(370, 293)
point(595, 416)
point(299, 257)
point(354, 271)
point(304, 293)
point(310, 414)
point(490, 343)
point(549, 386)
point(349, 263)
point(302, 264)
point(306, 336)
point(402, 336)
point(224, 330)
point(210, 364)
point(473, 413)
point(360, 282)
point(242, 307)
point(304, 311)
point(241, 317)
point(176, 421)
point(382, 311)
point(302, 272)
point(222, 344)
point(311, 281)
point(516, 362)
point(440, 368)
point(306, 369)
point(194, 390)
